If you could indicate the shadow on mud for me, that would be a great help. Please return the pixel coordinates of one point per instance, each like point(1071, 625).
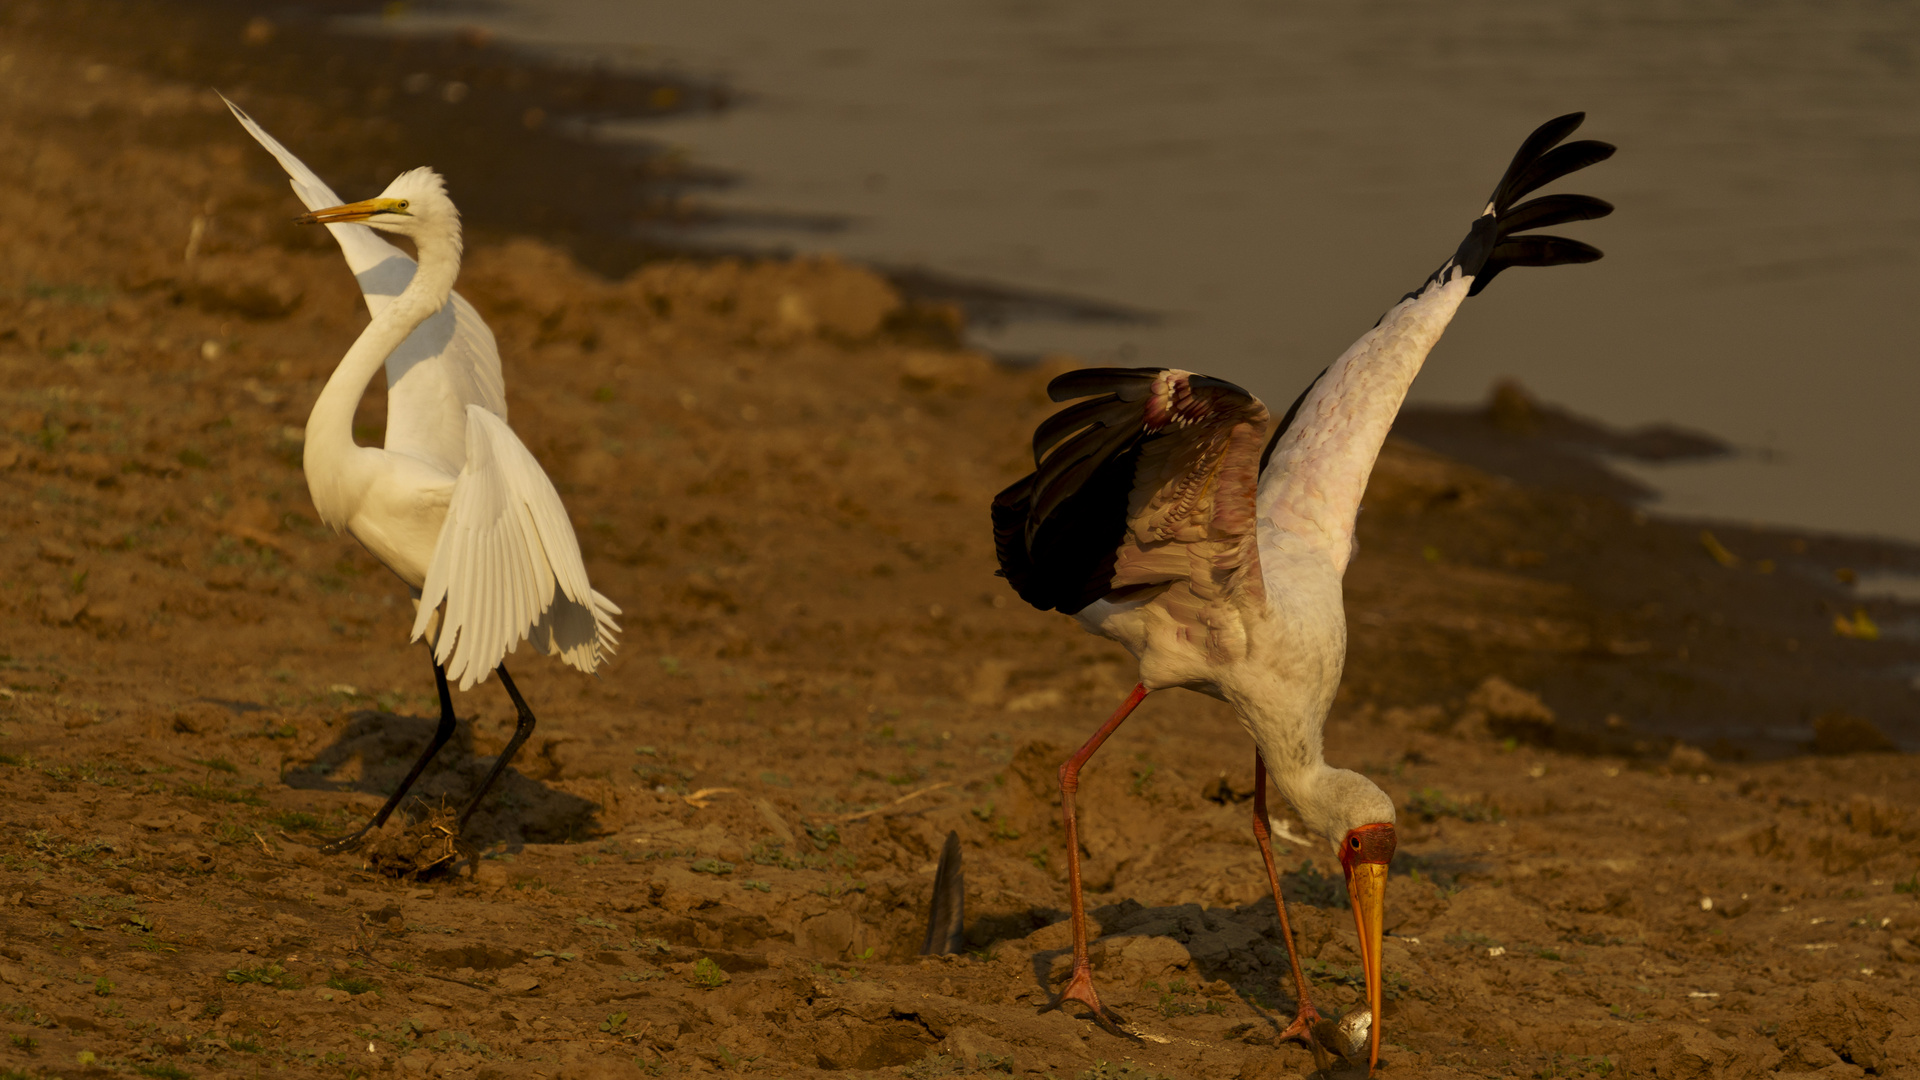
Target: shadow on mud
point(1239, 946)
point(377, 748)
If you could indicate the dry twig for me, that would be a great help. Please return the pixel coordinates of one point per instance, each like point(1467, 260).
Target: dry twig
point(904, 798)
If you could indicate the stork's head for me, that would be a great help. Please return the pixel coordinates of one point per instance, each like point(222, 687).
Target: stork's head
point(415, 205)
point(1364, 854)
point(1362, 825)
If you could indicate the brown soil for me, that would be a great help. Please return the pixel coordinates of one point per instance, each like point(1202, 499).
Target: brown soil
point(717, 857)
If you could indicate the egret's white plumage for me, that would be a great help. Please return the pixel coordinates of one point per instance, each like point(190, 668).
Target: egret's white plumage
point(1155, 517)
point(507, 565)
point(453, 503)
point(448, 362)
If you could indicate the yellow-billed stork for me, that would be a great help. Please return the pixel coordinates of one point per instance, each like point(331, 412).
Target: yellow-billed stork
point(1163, 513)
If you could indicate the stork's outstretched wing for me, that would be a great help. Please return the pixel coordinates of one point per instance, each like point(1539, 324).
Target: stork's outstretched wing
point(1317, 462)
point(1147, 482)
point(448, 363)
point(508, 567)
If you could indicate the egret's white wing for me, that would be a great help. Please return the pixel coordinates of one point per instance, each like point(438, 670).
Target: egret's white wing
point(448, 363)
point(508, 566)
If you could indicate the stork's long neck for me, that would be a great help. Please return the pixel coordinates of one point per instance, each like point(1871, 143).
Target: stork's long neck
point(338, 469)
point(1287, 731)
point(1329, 801)
point(1283, 695)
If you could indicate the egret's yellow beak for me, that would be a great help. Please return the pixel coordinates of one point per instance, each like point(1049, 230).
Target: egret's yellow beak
point(1367, 888)
point(360, 211)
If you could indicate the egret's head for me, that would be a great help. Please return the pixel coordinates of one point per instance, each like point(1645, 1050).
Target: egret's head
point(414, 205)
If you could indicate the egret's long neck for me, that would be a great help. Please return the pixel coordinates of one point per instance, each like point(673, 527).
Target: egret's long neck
point(337, 468)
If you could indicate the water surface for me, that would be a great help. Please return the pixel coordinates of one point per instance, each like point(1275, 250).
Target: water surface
point(1268, 178)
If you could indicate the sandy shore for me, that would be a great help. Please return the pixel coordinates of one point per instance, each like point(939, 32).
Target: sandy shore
point(716, 857)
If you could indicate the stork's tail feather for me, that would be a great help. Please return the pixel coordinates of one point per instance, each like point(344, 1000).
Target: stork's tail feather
point(1492, 244)
point(1541, 160)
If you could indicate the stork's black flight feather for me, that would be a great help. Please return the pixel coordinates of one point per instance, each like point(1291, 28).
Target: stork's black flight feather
point(1058, 529)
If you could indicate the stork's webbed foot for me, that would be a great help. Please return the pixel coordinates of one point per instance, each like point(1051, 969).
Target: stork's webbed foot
point(1080, 988)
point(1302, 1028)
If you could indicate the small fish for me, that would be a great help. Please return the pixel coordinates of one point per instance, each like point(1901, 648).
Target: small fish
point(1346, 1036)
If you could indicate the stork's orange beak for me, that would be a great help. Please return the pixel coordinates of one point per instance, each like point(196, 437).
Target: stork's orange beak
point(1367, 888)
point(360, 211)
point(1364, 855)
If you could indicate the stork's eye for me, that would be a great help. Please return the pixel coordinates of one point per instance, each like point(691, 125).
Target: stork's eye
point(1353, 842)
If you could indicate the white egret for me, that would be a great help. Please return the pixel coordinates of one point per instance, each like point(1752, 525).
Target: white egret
point(454, 504)
point(1163, 514)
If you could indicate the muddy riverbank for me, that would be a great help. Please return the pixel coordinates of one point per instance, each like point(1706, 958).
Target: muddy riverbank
point(715, 858)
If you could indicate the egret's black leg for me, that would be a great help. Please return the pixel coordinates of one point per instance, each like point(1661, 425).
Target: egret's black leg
point(440, 736)
point(521, 729)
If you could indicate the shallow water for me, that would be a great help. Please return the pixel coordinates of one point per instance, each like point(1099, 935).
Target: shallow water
point(1267, 180)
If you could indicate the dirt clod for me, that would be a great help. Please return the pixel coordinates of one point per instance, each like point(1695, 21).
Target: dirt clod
point(419, 849)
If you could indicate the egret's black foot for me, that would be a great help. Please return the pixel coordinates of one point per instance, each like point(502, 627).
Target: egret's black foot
point(342, 844)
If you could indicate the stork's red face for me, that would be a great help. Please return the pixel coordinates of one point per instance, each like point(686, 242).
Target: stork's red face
point(1364, 855)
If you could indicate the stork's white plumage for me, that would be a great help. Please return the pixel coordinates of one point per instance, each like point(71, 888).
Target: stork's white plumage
point(453, 503)
point(1163, 514)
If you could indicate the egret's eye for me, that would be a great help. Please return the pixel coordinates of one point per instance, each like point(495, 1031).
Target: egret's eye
point(402, 205)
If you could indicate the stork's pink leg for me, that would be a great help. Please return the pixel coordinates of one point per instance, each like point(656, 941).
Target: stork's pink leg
point(1080, 986)
point(1303, 1021)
